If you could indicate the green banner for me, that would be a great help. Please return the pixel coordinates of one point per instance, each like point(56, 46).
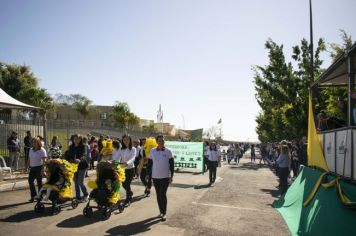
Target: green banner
point(187, 154)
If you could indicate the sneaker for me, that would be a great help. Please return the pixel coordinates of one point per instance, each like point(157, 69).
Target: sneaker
point(85, 198)
point(163, 217)
point(160, 215)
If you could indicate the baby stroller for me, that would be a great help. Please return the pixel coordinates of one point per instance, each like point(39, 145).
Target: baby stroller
point(58, 188)
point(106, 190)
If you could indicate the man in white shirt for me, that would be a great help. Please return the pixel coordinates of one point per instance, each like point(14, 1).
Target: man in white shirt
point(161, 165)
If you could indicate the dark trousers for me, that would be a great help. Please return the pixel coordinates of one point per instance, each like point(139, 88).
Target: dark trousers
point(161, 186)
point(129, 173)
point(148, 182)
point(283, 178)
point(212, 170)
point(253, 157)
point(27, 152)
point(35, 173)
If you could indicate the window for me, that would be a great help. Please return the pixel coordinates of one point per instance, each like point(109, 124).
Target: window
point(103, 116)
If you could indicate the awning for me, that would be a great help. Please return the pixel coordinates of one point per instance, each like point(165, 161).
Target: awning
point(337, 73)
point(6, 101)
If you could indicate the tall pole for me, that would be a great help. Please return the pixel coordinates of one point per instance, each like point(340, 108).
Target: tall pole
point(311, 44)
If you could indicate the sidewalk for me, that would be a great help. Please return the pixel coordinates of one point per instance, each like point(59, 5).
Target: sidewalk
point(19, 180)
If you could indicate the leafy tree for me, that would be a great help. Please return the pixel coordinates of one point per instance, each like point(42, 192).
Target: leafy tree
point(151, 129)
point(123, 117)
point(83, 105)
point(282, 91)
point(20, 83)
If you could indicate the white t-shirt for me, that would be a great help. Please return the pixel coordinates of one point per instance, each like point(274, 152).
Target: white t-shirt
point(128, 156)
point(116, 155)
point(160, 159)
point(36, 157)
point(213, 155)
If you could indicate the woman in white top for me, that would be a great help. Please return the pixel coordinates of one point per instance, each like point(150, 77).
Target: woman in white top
point(37, 158)
point(213, 162)
point(127, 156)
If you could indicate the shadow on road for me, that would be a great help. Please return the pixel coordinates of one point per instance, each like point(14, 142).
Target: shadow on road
point(273, 192)
point(202, 186)
point(25, 216)
point(78, 221)
point(248, 166)
point(174, 185)
point(133, 228)
point(3, 207)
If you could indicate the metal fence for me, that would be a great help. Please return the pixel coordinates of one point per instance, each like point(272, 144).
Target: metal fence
point(19, 124)
point(61, 128)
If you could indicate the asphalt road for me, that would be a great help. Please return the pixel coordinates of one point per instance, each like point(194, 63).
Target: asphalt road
point(238, 204)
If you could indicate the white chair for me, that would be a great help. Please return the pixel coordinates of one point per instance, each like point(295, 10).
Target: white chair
point(4, 167)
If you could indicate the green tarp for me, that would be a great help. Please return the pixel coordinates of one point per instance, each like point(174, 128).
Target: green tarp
point(325, 215)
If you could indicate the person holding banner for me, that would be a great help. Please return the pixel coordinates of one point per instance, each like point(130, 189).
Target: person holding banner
point(214, 159)
point(161, 165)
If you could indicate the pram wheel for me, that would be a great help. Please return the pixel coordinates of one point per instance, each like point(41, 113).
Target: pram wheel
point(106, 213)
point(56, 209)
point(120, 207)
point(88, 211)
point(74, 203)
point(39, 207)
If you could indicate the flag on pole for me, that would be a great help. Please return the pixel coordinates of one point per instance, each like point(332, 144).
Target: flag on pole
point(219, 122)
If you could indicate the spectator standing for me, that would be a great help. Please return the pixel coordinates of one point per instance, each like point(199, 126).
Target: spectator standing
point(136, 144)
point(27, 141)
point(94, 151)
point(253, 153)
point(284, 163)
point(13, 145)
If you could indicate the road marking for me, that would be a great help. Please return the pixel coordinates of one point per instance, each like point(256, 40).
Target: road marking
point(228, 206)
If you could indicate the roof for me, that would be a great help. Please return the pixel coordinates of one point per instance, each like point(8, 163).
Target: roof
point(6, 101)
point(337, 73)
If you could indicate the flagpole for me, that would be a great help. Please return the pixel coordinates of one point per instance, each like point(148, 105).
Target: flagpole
point(311, 43)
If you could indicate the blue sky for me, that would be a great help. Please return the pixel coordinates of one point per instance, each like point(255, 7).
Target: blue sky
point(192, 56)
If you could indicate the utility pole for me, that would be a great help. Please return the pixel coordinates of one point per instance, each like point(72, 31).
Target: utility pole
point(311, 44)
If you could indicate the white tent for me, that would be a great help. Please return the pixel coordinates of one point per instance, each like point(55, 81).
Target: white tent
point(6, 101)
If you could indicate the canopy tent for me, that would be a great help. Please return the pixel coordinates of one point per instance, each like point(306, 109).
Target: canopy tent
point(6, 101)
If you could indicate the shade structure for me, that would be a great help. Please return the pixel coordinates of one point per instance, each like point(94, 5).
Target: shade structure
point(6, 101)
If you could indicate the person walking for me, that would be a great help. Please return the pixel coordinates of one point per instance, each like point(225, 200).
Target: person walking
point(213, 162)
point(127, 156)
point(13, 145)
point(161, 165)
point(37, 157)
point(283, 162)
point(145, 176)
point(76, 154)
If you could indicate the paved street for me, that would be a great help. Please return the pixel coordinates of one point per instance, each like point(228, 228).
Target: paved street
point(238, 204)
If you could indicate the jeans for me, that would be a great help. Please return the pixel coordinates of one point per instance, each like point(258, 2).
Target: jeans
point(129, 173)
point(161, 186)
point(79, 183)
point(35, 173)
point(14, 160)
point(212, 170)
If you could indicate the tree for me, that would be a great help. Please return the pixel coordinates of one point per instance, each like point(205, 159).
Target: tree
point(83, 105)
point(123, 117)
point(282, 91)
point(151, 129)
point(20, 83)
